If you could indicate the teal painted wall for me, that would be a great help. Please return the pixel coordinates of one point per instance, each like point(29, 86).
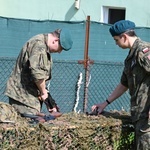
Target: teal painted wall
point(64, 10)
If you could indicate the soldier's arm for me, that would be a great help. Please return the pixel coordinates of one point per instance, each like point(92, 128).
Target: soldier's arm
point(41, 86)
point(38, 67)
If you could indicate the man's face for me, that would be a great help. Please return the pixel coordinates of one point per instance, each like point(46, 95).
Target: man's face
point(121, 41)
point(55, 46)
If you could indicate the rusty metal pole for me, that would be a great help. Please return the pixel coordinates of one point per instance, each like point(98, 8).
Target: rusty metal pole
point(86, 64)
point(86, 50)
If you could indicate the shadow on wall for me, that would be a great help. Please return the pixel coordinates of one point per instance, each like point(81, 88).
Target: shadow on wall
point(70, 14)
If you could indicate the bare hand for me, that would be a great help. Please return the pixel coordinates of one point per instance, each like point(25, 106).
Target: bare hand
point(99, 107)
point(53, 110)
point(44, 95)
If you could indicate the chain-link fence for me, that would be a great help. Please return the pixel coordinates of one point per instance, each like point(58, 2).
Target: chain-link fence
point(66, 89)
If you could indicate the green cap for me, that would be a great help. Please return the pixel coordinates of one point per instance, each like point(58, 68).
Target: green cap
point(121, 27)
point(65, 39)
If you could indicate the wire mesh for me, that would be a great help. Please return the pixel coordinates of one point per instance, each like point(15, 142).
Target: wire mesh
point(103, 77)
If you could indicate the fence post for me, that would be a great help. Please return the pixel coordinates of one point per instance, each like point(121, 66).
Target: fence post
point(86, 63)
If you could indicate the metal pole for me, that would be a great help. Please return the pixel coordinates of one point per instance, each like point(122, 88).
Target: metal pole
point(86, 42)
point(86, 64)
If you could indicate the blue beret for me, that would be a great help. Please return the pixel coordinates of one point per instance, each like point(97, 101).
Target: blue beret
point(65, 39)
point(121, 27)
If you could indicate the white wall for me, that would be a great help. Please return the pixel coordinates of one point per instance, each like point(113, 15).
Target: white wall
point(64, 10)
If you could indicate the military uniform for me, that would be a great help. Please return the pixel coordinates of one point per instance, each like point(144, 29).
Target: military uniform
point(33, 63)
point(136, 76)
point(7, 113)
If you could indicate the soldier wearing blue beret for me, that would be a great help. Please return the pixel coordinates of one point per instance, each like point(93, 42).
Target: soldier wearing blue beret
point(121, 27)
point(26, 86)
point(135, 78)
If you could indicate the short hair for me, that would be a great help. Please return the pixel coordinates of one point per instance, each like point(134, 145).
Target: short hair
point(56, 33)
point(130, 33)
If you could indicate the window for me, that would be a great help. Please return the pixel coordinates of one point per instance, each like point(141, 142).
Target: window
point(115, 15)
point(111, 15)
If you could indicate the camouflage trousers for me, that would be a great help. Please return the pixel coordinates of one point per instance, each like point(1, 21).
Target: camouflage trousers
point(22, 108)
point(142, 134)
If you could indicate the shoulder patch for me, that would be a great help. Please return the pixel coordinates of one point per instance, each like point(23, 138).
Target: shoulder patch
point(145, 50)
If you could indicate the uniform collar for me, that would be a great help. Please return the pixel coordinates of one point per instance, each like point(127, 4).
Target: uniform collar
point(46, 41)
point(134, 47)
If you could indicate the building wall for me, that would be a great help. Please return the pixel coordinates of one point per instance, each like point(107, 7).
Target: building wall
point(64, 10)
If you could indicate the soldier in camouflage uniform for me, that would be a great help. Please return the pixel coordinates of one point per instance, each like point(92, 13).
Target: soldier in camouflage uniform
point(135, 78)
point(28, 79)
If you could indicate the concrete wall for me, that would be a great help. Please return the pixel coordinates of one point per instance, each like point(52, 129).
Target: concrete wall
point(64, 10)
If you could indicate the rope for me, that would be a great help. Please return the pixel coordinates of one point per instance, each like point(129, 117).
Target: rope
point(77, 93)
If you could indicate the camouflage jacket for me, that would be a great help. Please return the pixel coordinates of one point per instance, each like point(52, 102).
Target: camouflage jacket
point(136, 76)
point(33, 63)
point(7, 113)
